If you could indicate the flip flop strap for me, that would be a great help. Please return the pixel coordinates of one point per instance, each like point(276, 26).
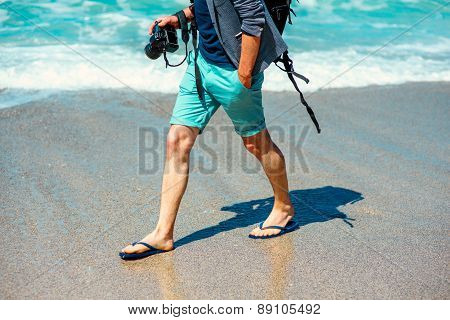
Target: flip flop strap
point(145, 244)
point(270, 227)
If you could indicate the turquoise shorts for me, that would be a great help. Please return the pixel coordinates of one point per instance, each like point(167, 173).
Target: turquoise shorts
point(222, 87)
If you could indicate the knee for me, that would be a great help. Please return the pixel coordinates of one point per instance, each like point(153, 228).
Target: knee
point(258, 144)
point(179, 142)
point(253, 147)
point(261, 146)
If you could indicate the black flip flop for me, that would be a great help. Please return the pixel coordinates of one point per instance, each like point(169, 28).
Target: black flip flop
point(135, 256)
point(290, 226)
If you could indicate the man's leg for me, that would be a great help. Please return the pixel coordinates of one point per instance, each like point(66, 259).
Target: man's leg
point(272, 160)
point(180, 141)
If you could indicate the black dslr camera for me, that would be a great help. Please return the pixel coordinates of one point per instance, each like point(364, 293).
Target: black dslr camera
point(162, 40)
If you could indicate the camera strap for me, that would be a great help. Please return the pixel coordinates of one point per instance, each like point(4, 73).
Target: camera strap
point(182, 20)
point(198, 79)
point(194, 29)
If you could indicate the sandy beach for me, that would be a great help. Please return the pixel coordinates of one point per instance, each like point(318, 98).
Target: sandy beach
point(371, 194)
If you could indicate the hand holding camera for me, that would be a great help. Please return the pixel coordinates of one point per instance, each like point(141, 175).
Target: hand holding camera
point(164, 21)
point(162, 40)
point(163, 36)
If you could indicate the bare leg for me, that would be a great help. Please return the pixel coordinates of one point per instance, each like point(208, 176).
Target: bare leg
point(272, 160)
point(180, 141)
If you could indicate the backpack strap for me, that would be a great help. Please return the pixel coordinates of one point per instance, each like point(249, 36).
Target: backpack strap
point(289, 69)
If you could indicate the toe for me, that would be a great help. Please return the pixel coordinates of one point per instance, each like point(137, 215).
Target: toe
point(275, 232)
point(127, 249)
point(130, 249)
point(255, 231)
point(263, 233)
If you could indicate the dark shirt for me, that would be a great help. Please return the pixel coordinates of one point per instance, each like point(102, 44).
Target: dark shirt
point(209, 44)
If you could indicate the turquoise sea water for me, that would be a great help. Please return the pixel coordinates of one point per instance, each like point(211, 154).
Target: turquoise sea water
point(328, 36)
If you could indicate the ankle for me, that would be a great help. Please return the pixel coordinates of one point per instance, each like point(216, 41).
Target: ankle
point(163, 233)
point(284, 207)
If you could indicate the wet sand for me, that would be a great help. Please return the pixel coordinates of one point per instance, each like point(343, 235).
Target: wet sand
point(371, 194)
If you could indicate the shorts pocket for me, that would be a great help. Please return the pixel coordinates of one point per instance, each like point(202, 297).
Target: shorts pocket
point(257, 81)
point(187, 84)
point(240, 85)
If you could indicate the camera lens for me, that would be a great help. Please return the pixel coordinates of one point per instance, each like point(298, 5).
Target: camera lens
point(152, 53)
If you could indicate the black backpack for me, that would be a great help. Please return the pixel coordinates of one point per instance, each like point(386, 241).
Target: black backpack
point(280, 11)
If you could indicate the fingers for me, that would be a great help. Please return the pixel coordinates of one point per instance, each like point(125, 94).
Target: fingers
point(152, 26)
point(150, 29)
point(163, 22)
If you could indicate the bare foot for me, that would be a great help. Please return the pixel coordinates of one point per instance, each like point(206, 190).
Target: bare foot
point(155, 240)
point(278, 217)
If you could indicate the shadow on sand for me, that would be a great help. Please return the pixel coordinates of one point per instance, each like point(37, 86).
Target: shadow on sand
point(311, 205)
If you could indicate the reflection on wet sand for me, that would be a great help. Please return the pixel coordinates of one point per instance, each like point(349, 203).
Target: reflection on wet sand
point(280, 252)
point(163, 269)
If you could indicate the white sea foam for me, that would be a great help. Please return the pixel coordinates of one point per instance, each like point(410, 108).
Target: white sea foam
point(3, 15)
point(309, 3)
point(363, 5)
point(57, 67)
